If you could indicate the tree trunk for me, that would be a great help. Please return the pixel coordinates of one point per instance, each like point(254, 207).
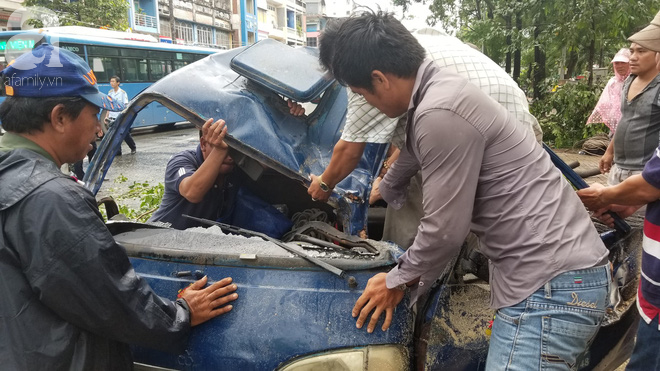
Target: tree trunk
point(571, 64)
point(539, 59)
point(517, 54)
point(507, 67)
point(592, 53)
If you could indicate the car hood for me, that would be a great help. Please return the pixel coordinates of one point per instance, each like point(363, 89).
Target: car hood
point(262, 135)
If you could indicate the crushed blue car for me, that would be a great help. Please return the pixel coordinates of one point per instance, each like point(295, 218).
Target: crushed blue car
point(296, 292)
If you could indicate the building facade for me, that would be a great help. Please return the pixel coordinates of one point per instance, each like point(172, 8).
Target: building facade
point(195, 22)
point(282, 20)
point(316, 20)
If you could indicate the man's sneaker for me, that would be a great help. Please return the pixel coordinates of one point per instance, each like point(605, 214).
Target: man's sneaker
point(133, 151)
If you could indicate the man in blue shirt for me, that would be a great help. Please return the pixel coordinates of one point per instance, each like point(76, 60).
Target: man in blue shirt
point(119, 95)
point(195, 180)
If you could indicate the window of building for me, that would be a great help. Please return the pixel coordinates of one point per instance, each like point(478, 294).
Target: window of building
point(262, 16)
point(184, 31)
point(249, 6)
point(165, 28)
point(312, 41)
point(204, 35)
point(223, 39)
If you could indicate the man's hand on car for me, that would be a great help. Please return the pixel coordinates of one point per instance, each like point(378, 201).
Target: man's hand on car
point(592, 198)
point(377, 298)
point(206, 303)
point(296, 109)
point(375, 196)
point(316, 191)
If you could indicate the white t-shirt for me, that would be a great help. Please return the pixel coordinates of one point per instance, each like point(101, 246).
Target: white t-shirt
point(118, 96)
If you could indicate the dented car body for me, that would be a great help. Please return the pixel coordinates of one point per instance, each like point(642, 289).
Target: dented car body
point(296, 293)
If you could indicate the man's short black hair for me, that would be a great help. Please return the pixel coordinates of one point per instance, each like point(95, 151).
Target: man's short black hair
point(29, 114)
point(374, 41)
point(327, 40)
point(116, 78)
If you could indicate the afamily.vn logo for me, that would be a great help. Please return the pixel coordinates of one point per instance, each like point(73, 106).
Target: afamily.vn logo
point(36, 80)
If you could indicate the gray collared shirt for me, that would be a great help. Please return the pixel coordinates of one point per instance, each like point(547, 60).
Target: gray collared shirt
point(482, 171)
point(638, 133)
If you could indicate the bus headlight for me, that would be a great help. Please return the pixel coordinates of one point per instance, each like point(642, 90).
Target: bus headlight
point(369, 358)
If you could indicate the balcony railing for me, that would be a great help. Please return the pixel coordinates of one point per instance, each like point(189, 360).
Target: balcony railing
point(144, 20)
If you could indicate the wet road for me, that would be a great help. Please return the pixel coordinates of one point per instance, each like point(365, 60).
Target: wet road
point(154, 149)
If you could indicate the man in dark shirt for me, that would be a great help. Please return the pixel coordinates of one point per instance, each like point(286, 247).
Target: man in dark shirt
point(71, 299)
point(195, 180)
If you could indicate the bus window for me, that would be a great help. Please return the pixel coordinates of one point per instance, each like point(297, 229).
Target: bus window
point(160, 55)
point(185, 57)
point(104, 68)
point(134, 70)
point(179, 64)
point(102, 50)
point(138, 53)
point(74, 48)
point(159, 68)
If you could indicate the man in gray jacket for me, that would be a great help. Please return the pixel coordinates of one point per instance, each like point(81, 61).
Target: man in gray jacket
point(70, 297)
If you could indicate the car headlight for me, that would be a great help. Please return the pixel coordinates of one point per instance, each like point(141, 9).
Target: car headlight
point(369, 358)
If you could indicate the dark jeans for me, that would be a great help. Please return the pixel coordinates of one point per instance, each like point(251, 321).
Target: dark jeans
point(78, 166)
point(129, 139)
point(645, 355)
point(130, 142)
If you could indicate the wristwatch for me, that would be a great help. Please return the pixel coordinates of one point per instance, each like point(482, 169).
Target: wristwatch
point(324, 187)
point(402, 287)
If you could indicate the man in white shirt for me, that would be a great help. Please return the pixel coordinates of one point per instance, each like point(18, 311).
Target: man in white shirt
point(119, 95)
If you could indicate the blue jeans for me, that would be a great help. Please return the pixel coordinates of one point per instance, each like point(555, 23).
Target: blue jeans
point(553, 327)
point(645, 356)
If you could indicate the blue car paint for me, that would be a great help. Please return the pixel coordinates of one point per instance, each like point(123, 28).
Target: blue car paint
point(295, 312)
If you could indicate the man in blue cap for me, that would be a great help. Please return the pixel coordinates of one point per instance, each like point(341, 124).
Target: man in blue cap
point(70, 297)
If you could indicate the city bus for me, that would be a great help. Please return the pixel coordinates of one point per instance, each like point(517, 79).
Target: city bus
point(139, 60)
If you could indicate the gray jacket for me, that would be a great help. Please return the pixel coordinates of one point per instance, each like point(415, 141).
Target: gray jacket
point(70, 297)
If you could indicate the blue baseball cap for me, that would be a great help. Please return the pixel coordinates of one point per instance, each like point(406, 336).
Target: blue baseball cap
point(49, 71)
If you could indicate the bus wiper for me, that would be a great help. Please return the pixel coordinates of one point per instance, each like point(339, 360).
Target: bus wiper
point(352, 282)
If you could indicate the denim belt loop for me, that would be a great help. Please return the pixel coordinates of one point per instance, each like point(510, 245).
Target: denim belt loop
point(548, 290)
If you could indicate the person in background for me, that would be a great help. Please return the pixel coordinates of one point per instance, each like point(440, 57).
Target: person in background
point(608, 108)
point(637, 190)
point(481, 172)
point(118, 94)
point(636, 135)
point(71, 299)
